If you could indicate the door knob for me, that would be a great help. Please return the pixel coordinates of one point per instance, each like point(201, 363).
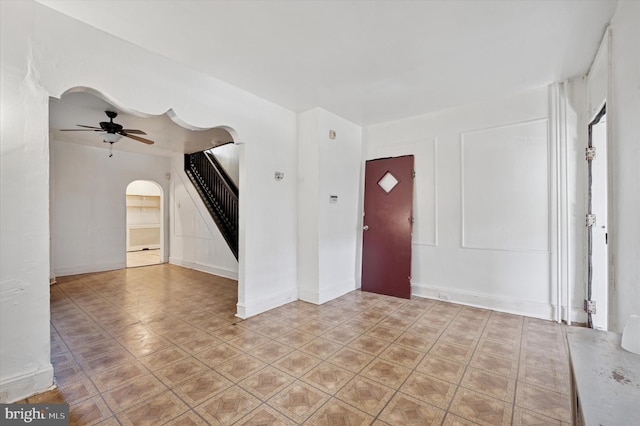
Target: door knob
point(365, 228)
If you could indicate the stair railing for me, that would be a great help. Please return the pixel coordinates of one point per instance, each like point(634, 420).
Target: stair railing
point(219, 193)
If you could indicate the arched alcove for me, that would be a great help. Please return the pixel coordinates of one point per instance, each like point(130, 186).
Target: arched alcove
point(144, 223)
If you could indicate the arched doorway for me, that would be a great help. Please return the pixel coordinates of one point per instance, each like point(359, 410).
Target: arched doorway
point(144, 201)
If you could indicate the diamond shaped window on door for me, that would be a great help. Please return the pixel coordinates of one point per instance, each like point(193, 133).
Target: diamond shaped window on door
point(388, 182)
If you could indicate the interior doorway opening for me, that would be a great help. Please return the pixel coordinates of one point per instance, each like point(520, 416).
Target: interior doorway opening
point(144, 230)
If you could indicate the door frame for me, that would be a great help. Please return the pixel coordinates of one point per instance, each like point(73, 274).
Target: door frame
point(162, 218)
point(603, 296)
point(411, 181)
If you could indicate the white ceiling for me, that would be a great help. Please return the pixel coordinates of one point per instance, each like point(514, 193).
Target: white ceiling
point(169, 138)
point(367, 61)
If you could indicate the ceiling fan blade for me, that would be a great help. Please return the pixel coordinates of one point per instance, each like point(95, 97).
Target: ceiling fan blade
point(89, 127)
point(80, 130)
point(133, 131)
point(138, 138)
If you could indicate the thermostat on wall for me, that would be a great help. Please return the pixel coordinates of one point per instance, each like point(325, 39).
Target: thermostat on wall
point(333, 199)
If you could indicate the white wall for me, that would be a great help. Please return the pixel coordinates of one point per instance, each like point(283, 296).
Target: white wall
point(485, 181)
point(623, 115)
point(196, 241)
point(45, 54)
point(88, 204)
point(229, 158)
point(327, 232)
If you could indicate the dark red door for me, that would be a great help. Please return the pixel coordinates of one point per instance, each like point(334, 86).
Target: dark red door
point(386, 240)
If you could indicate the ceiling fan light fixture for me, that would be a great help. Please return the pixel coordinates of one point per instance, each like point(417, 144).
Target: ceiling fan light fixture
point(110, 137)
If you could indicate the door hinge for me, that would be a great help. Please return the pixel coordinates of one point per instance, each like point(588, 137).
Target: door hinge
point(590, 153)
point(413, 173)
point(590, 306)
point(591, 220)
point(412, 220)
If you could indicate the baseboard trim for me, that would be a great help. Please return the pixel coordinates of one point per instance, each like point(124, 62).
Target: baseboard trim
point(209, 269)
point(87, 269)
point(318, 298)
point(250, 309)
point(502, 304)
point(577, 314)
point(23, 386)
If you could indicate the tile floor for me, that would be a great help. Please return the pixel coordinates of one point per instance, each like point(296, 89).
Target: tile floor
point(160, 344)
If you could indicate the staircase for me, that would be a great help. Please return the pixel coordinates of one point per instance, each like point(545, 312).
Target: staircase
point(218, 192)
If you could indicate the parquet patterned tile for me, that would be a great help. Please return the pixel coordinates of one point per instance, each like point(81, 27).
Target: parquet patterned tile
point(88, 412)
point(297, 363)
point(401, 355)
point(321, 348)
point(264, 415)
point(480, 408)
point(130, 393)
point(228, 406)
point(351, 359)
point(489, 384)
point(367, 395)
point(161, 344)
point(328, 377)
point(298, 401)
point(271, 351)
point(386, 373)
point(427, 388)
point(452, 351)
point(406, 410)
point(336, 412)
point(267, 382)
point(190, 418)
point(180, 371)
point(507, 367)
point(544, 401)
point(369, 344)
point(202, 387)
point(119, 375)
point(156, 410)
point(441, 368)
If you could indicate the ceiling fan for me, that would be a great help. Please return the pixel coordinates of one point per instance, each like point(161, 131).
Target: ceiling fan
point(112, 132)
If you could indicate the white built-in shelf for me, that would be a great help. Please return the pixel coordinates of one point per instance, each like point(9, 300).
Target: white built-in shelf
point(143, 201)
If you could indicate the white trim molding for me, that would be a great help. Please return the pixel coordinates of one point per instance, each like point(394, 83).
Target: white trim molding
point(86, 269)
point(252, 308)
point(17, 388)
point(202, 267)
point(502, 304)
point(318, 298)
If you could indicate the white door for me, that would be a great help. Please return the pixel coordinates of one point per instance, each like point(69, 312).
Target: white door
point(599, 231)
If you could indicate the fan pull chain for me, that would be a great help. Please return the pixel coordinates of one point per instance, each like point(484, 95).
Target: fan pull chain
point(110, 149)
